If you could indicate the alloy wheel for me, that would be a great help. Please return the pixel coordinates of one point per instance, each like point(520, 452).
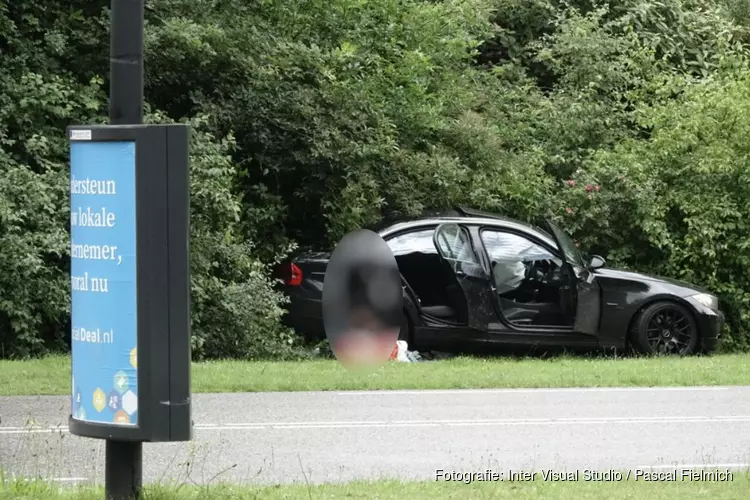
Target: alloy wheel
point(670, 331)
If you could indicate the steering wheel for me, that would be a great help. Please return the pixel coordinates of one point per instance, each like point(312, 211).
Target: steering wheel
point(533, 273)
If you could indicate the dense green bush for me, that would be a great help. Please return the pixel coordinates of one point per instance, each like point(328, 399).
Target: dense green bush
point(337, 105)
point(236, 309)
point(53, 57)
point(39, 96)
point(34, 216)
point(316, 116)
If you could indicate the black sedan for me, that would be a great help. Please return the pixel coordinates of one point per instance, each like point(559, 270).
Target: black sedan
point(471, 279)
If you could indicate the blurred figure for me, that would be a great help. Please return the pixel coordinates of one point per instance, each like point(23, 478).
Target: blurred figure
point(362, 300)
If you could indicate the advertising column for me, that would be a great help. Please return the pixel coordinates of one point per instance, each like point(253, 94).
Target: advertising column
point(103, 281)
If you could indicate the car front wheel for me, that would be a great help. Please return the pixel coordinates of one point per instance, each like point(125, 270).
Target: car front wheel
point(665, 328)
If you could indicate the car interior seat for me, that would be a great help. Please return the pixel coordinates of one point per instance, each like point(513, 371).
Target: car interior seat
point(537, 313)
point(455, 302)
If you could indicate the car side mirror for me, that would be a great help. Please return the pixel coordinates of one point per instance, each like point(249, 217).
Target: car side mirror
point(596, 262)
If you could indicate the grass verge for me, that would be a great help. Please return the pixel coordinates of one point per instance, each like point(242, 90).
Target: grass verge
point(736, 488)
point(51, 376)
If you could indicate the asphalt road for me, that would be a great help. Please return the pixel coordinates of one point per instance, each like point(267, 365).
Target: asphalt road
point(339, 436)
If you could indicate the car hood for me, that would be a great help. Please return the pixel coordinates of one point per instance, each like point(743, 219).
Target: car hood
point(620, 274)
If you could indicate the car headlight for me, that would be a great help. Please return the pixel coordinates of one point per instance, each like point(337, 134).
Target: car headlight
point(706, 300)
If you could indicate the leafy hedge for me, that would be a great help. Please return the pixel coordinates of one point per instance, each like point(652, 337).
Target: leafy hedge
point(313, 117)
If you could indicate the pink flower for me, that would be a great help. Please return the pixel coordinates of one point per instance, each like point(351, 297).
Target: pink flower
point(569, 210)
point(597, 188)
point(589, 187)
point(571, 182)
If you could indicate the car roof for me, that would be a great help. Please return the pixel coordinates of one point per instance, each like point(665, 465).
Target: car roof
point(455, 213)
point(462, 215)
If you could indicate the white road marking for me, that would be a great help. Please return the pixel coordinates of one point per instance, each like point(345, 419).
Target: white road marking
point(478, 423)
point(51, 479)
point(430, 423)
point(541, 390)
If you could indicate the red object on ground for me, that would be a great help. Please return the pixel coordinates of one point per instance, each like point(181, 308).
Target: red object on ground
point(394, 353)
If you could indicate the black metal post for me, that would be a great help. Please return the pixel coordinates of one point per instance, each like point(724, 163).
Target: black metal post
point(124, 459)
point(126, 62)
point(123, 470)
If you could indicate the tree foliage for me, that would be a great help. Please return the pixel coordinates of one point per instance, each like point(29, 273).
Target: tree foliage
point(623, 120)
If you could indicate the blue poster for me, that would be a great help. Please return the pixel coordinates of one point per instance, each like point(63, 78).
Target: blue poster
point(103, 282)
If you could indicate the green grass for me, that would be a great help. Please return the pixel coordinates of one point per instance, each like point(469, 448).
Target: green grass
point(51, 376)
point(737, 488)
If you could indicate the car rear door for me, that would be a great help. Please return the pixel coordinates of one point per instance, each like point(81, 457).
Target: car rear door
point(453, 243)
point(583, 294)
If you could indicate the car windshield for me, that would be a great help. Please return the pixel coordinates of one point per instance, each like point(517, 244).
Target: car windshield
point(569, 248)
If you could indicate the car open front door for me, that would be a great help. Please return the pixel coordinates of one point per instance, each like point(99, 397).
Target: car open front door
point(581, 299)
point(454, 245)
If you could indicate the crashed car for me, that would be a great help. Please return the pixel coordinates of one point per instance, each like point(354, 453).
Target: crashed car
point(473, 279)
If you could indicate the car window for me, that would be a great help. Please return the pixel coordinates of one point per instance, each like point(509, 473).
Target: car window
point(455, 247)
point(510, 253)
point(454, 244)
point(419, 241)
point(569, 247)
point(510, 247)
